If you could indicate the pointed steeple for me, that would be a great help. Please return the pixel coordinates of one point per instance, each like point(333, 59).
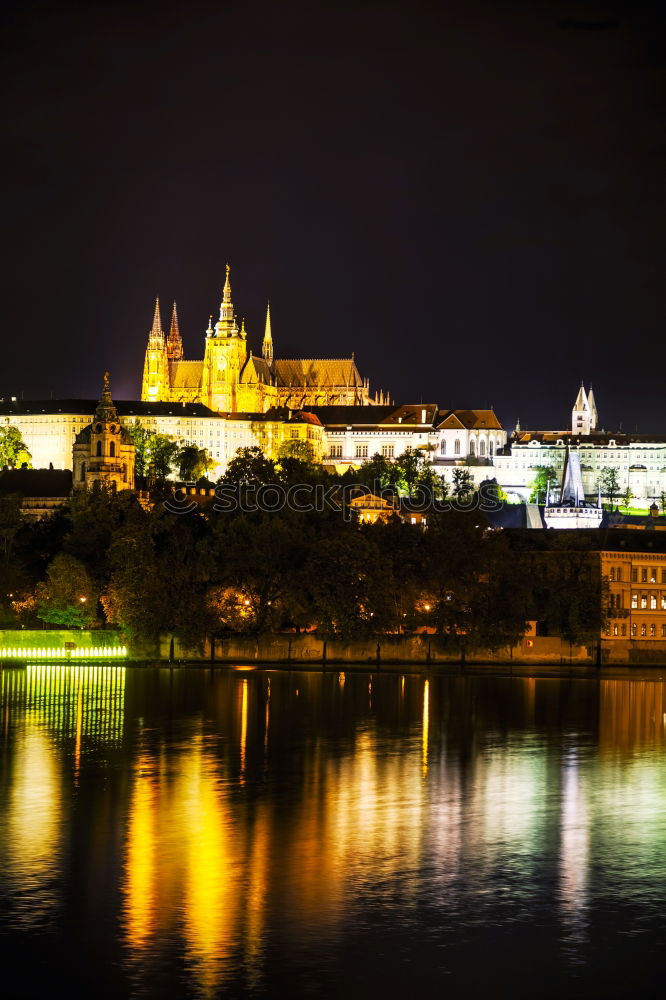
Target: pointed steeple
point(581, 399)
point(106, 410)
point(226, 325)
point(580, 415)
point(156, 333)
point(174, 340)
point(267, 347)
point(592, 404)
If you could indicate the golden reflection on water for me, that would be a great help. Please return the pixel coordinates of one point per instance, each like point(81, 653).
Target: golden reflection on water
point(426, 723)
point(182, 865)
point(47, 707)
point(34, 825)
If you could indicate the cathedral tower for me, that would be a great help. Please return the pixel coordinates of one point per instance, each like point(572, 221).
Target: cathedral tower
point(592, 405)
point(267, 347)
point(174, 344)
point(580, 415)
point(225, 355)
point(155, 384)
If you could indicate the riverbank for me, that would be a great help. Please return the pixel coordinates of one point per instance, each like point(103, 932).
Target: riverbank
point(426, 650)
point(308, 649)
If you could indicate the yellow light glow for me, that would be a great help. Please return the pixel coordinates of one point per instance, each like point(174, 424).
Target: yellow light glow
point(425, 726)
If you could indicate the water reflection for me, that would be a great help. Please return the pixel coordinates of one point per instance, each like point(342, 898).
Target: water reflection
point(258, 828)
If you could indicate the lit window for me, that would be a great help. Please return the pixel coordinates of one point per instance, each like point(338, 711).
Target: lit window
point(634, 601)
point(653, 631)
point(643, 602)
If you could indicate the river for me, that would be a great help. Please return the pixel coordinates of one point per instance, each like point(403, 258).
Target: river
point(196, 833)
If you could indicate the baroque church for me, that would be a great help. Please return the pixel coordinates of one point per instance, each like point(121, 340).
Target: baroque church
point(231, 379)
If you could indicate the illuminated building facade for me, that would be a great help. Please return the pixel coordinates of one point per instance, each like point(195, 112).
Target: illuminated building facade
point(52, 429)
point(450, 438)
point(231, 379)
point(636, 595)
point(640, 459)
point(103, 451)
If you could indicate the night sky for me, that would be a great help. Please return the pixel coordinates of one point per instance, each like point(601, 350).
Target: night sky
point(469, 195)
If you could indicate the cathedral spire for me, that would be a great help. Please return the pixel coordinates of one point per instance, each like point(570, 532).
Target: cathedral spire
point(226, 325)
point(156, 332)
point(174, 340)
point(267, 348)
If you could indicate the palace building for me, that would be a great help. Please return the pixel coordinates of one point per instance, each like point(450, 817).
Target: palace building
point(639, 459)
point(231, 379)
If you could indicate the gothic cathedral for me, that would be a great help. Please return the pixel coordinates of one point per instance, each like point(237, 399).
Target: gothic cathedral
point(232, 380)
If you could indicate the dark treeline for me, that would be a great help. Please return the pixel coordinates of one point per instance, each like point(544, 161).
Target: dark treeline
point(105, 559)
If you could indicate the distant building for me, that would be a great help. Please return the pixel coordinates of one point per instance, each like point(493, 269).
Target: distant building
point(232, 379)
point(42, 491)
point(571, 510)
point(448, 438)
point(103, 451)
point(636, 595)
point(50, 428)
point(640, 459)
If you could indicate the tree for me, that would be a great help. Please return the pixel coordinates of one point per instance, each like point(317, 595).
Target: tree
point(610, 484)
point(627, 497)
point(67, 597)
point(409, 466)
point(193, 462)
point(568, 592)
point(141, 440)
point(378, 473)
point(463, 484)
point(346, 578)
point(10, 524)
point(545, 476)
point(161, 568)
point(662, 501)
point(13, 451)
point(296, 448)
point(249, 467)
point(162, 455)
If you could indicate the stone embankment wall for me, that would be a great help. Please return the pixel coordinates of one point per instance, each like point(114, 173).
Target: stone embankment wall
point(425, 649)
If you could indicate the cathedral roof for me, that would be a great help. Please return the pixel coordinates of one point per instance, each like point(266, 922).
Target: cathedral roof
point(256, 370)
point(185, 374)
point(317, 372)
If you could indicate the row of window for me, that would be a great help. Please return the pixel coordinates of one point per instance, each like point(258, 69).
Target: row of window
point(639, 574)
point(645, 631)
point(646, 602)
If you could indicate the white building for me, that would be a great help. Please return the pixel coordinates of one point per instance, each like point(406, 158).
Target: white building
point(49, 428)
point(448, 437)
point(640, 459)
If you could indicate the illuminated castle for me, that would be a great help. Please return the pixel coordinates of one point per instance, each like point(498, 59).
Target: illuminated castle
point(230, 379)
